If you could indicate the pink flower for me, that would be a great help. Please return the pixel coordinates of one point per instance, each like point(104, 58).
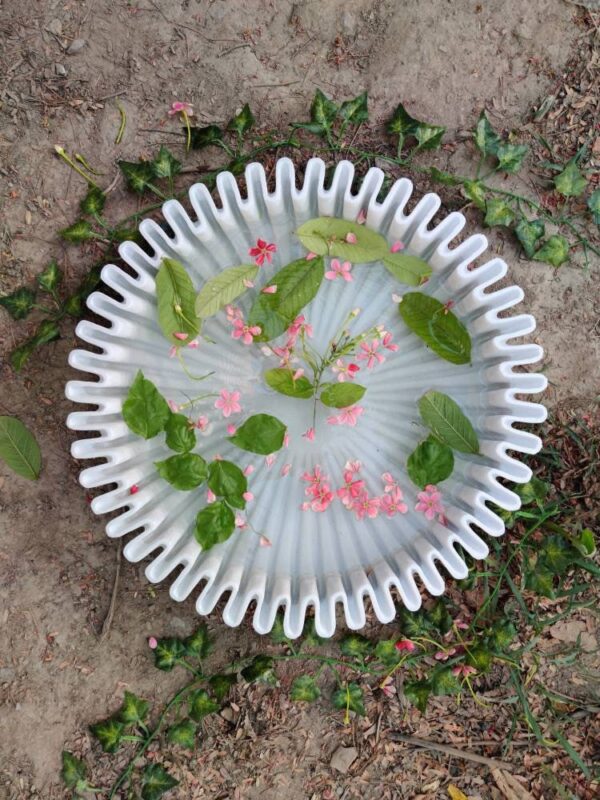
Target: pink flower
point(444, 655)
point(270, 289)
point(194, 344)
point(309, 434)
point(298, 374)
point(365, 506)
point(387, 342)
point(370, 354)
point(351, 238)
point(240, 522)
point(228, 402)
point(463, 670)
point(173, 406)
point(362, 217)
point(210, 496)
point(311, 256)
point(270, 459)
point(285, 470)
point(249, 469)
point(244, 332)
point(405, 645)
point(392, 504)
point(430, 502)
point(152, 642)
point(389, 482)
point(322, 498)
point(134, 489)
point(345, 371)
point(285, 354)
point(264, 542)
point(351, 490)
point(396, 247)
point(347, 416)
point(181, 336)
point(339, 270)
point(463, 626)
point(314, 479)
point(231, 429)
point(232, 313)
point(202, 424)
point(180, 107)
point(262, 250)
point(352, 466)
point(298, 327)
point(248, 496)
point(387, 686)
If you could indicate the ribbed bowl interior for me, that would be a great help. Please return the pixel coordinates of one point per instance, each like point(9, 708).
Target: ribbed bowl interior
point(316, 559)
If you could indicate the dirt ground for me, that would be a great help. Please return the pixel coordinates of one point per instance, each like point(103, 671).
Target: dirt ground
point(445, 60)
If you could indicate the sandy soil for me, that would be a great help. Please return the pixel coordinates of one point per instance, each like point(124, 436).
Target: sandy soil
point(445, 60)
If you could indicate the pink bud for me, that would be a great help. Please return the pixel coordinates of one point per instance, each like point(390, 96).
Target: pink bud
point(286, 439)
point(249, 469)
point(173, 406)
point(362, 217)
point(181, 336)
point(270, 289)
point(194, 344)
point(269, 460)
point(152, 643)
point(310, 256)
point(248, 496)
point(396, 247)
point(231, 429)
point(309, 434)
point(134, 489)
point(264, 542)
point(351, 238)
point(210, 496)
point(240, 522)
point(298, 374)
point(285, 470)
point(173, 351)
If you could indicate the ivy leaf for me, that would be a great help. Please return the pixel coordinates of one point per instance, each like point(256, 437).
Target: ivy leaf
point(20, 355)
point(570, 182)
point(310, 636)
point(480, 658)
point(204, 137)
point(259, 669)
point(510, 156)
point(534, 491)
point(176, 300)
point(341, 395)
point(184, 471)
point(80, 231)
point(585, 543)
point(541, 581)
point(593, 203)
point(349, 698)
point(439, 328)
point(326, 236)
point(47, 331)
point(431, 462)
point(555, 251)
point(93, 202)
point(19, 448)
point(355, 111)
point(498, 212)
point(227, 480)
point(183, 734)
point(201, 704)
point(323, 111)
point(305, 689)
point(403, 125)
point(428, 137)
point(529, 232)
point(447, 422)
point(486, 138)
point(474, 191)
point(50, 278)
point(261, 433)
point(198, 644)
point(156, 781)
point(223, 289)
point(444, 682)
point(165, 165)
point(417, 692)
point(168, 653)
point(445, 178)
point(413, 624)
point(19, 303)
point(355, 646)
point(277, 631)
point(220, 684)
point(282, 380)
point(133, 710)
point(137, 174)
point(407, 269)
point(73, 771)
point(440, 618)
point(109, 733)
point(180, 435)
point(387, 652)
point(557, 554)
point(125, 235)
point(502, 634)
point(145, 410)
point(214, 524)
point(242, 122)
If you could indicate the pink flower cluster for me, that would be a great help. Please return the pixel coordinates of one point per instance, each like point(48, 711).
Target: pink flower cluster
point(318, 490)
point(430, 503)
point(241, 330)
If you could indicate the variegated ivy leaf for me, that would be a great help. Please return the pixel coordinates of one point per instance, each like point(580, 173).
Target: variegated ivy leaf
point(511, 156)
point(323, 111)
point(183, 734)
point(223, 289)
point(109, 733)
point(445, 178)
point(80, 231)
point(474, 191)
point(168, 653)
point(164, 164)
point(355, 111)
point(387, 652)
point(259, 669)
point(417, 692)
point(204, 137)
point(355, 645)
point(444, 418)
point(50, 278)
point(242, 121)
point(73, 772)
point(403, 125)
point(529, 232)
point(19, 303)
point(570, 182)
point(444, 681)
point(134, 709)
point(93, 202)
point(486, 138)
point(138, 174)
point(305, 689)
point(498, 212)
point(198, 644)
point(201, 704)
point(329, 236)
point(220, 684)
point(156, 781)
point(437, 326)
point(176, 298)
point(593, 203)
point(555, 251)
point(349, 698)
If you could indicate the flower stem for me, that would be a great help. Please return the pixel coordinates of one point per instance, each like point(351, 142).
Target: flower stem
point(60, 151)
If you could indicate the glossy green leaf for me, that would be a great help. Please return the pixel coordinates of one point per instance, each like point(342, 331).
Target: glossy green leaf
point(442, 415)
point(428, 137)
point(355, 111)
point(417, 692)
point(486, 139)
point(259, 669)
point(176, 298)
point(93, 202)
point(355, 646)
point(138, 174)
point(214, 524)
point(204, 137)
point(164, 164)
point(410, 270)
point(220, 684)
point(261, 433)
point(444, 682)
point(19, 303)
point(570, 182)
point(156, 781)
point(498, 212)
point(327, 236)
point(529, 232)
point(282, 381)
point(19, 448)
point(349, 698)
point(73, 772)
point(168, 653)
point(80, 231)
point(242, 121)
point(305, 689)
point(387, 652)
point(223, 289)
point(133, 710)
point(593, 203)
point(202, 704)
point(227, 480)
point(184, 471)
point(554, 251)
point(341, 395)
point(180, 435)
point(145, 410)
point(475, 192)
point(431, 462)
point(198, 644)
point(403, 125)
point(183, 734)
point(109, 733)
point(511, 156)
point(439, 328)
point(50, 277)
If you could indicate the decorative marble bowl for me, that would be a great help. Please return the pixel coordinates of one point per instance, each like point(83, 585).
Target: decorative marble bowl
point(316, 560)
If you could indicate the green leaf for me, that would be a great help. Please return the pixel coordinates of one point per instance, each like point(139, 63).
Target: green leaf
point(510, 156)
point(261, 433)
point(80, 231)
point(20, 355)
point(442, 177)
point(417, 692)
point(137, 174)
point(50, 278)
point(176, 300)
point(475, 192)
point(444, 682)
point(555, 251)
point(184, 471)
point(183, 734)
point(447, 422)
point(73, 306)
point(47, 331)
point(593, 203)
point(480, 658)
point(403, 125)
point(168, 653)
point(204, 137)
point(198, 644)
point(165, 165)
point(282, 380)
point(498, 212)
point(19, 303)
point(125, 234)
point(540, 581)
point(220, 684)
point(19, 448)
point(201, 704)
point(223, 289)
point(156, 781)
point(109, 733)
point(486, 139)
point(440, 618)
point(413, 624)
point(355, 646)
point(428, 137)
point(529, 232)
point(145, 410)
point(227, 480)
point(355, 111)
point(133, 710)
point(438, 327)
point(570, 182)
point(326, 236)
point(431, 462)
point(341, 395)
point(277, 631)
point(259, 669)
point(387, 652)
point(242, 122)
point(73, 770)
point(407, 269)
point(93, 202)
point(214, 524)
point(180, 434)
point(310, 637)
point(305, 689)
point(323, 111)
point(585, 543)
point(349, 698)
point(534, 491)
point(503, 633)
point(557, 554)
